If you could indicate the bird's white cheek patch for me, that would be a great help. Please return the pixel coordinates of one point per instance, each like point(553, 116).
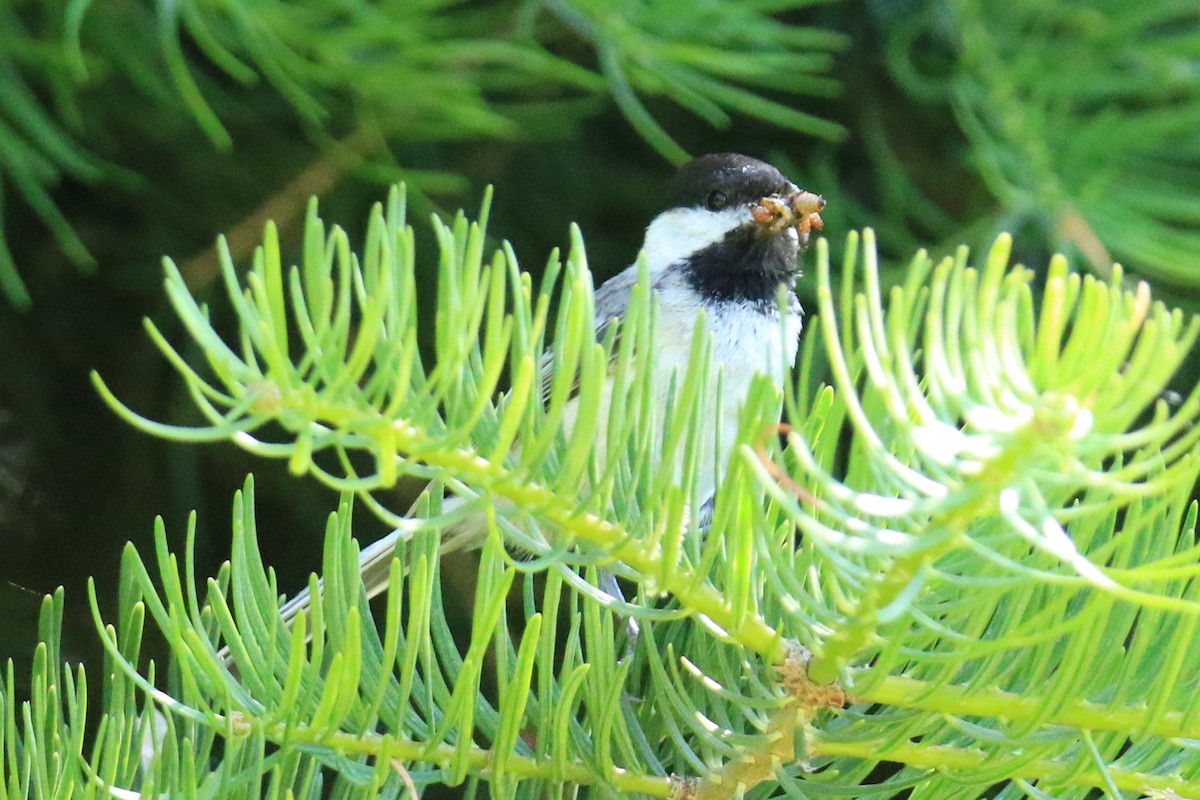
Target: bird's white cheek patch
point(676, 234)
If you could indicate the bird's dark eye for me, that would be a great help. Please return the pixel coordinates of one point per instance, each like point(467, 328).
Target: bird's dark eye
point(717, 201)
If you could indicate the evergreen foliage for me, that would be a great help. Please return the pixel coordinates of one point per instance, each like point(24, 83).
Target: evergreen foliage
point(988, 591)
point(401, 71)
point(968, 568)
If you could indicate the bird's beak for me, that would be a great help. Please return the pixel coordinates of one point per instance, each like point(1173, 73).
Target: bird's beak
point(799, 209)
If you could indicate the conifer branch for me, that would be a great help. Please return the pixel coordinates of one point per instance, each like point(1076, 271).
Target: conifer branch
point(996, 578)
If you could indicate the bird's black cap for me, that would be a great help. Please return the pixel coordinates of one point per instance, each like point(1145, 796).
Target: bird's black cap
point(739, 178)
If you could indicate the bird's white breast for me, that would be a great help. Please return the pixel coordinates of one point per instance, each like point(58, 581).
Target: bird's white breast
point(746, 341)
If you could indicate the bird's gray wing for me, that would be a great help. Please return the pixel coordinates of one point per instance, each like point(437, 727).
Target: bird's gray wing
point(612, 298)
point(610, 302)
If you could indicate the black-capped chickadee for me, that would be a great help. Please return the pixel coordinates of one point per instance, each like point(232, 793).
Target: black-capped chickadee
point(729, 237)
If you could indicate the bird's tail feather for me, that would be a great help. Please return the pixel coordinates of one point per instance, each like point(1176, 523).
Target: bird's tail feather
point(375, 560)
point(467, 532)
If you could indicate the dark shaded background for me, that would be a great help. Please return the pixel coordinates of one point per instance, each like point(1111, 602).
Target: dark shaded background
point(76, 483)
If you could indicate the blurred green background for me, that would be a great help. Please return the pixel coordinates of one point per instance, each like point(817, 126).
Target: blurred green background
point(132, 129)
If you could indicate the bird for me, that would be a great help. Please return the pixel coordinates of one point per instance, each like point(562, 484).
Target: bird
point(727, 240)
